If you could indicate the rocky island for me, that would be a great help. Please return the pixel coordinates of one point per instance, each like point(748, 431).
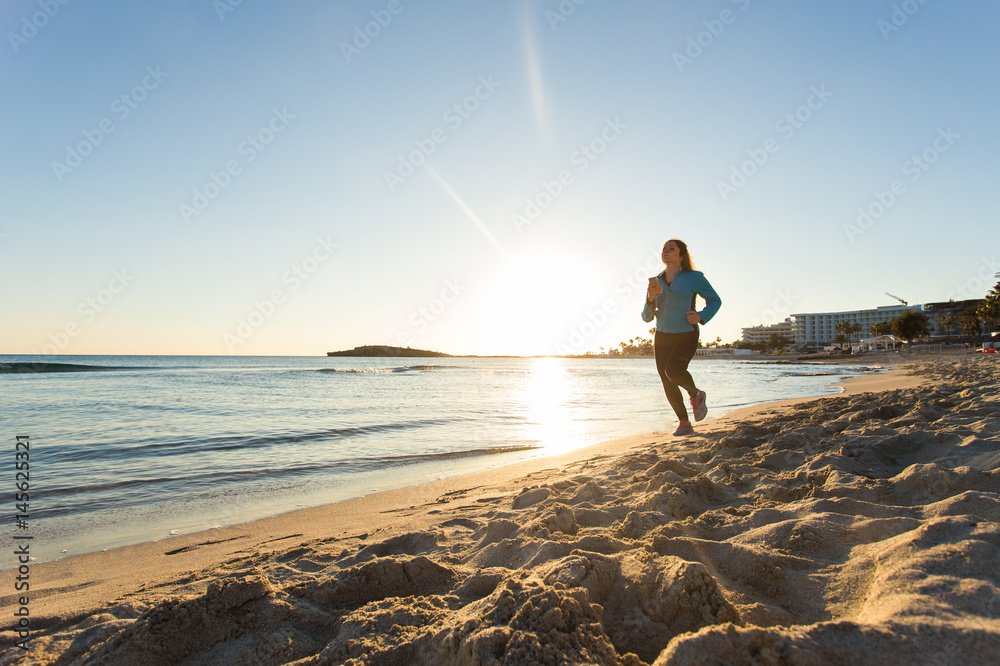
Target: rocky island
point(385, 350)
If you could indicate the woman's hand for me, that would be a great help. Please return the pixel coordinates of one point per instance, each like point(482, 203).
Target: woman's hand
point(693, 317)
point(652, 292)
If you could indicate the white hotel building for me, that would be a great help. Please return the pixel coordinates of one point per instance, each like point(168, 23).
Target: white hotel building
point(758, 334)
point(818, 329)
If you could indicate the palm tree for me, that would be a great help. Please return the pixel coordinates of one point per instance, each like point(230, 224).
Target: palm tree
point(948, 320)
point(988, 311)
point(968, 320)
point(848, 329)
point(881, 328)
point(994, 293)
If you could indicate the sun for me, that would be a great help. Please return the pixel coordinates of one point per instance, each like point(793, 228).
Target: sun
point(531, 301)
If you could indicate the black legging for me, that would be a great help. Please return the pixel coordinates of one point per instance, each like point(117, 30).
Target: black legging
point(673, 353)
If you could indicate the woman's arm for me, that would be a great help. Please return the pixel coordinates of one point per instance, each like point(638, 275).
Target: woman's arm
point(649, 311)
point(712, 301)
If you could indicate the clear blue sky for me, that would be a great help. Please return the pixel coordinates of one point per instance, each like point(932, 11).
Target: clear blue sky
point(121, 230)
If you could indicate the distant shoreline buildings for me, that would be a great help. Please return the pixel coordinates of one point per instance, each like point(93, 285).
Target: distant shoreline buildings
point(817, 329)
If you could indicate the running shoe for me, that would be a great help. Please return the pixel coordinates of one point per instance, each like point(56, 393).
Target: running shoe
point(684, 428)
point(699, 405)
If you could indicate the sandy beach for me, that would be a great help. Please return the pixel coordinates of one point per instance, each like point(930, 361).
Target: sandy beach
point(856, 528)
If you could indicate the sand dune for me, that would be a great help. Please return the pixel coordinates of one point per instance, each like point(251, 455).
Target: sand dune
point(845, 530)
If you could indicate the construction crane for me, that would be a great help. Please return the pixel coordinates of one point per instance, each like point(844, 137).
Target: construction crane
point(897, 298)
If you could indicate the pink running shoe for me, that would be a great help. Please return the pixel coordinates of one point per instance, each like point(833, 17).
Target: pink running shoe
point(699, 405)
point(684, 428)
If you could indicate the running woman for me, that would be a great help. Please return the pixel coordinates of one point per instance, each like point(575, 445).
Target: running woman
point(671, 299)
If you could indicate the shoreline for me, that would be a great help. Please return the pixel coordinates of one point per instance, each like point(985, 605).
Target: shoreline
point(184, 515)
point(134, 563)
point(704, 517)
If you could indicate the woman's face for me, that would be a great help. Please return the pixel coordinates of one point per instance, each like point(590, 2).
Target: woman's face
point(671, 254)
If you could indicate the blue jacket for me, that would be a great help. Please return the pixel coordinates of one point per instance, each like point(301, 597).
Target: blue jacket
point(671, 307)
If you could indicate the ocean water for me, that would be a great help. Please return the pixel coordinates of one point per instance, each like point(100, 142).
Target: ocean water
point(127, 449)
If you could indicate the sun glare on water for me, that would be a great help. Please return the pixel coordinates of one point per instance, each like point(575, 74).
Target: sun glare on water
point(546, 394)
